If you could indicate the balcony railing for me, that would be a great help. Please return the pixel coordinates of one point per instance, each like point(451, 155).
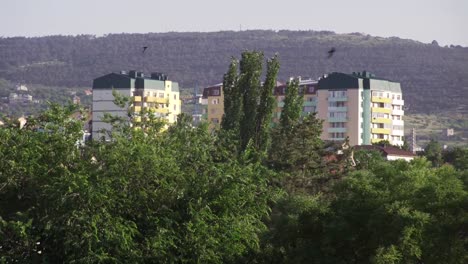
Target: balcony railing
point(380, 120)
point(380, 131)
point(337, 109)
point(376, 99)
point(337, 130)
point(152, 99)
point(337, 119)
point(338, 99)
point(381, 110)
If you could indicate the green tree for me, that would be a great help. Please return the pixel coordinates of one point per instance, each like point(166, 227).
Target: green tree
point(292, 109)
point(266, 106)
point(395, 212)
point(142, 197)
point(249, 86)
point(232, 98)
point(433, 152)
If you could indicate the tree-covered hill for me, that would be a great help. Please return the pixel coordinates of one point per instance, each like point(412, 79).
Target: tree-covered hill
point(433, 78)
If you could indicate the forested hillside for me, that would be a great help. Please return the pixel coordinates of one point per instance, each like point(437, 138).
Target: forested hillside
point(434, 78)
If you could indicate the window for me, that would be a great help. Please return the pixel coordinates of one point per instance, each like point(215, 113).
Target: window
point(398, 128)
point(336, 104)
point(337, 114)
point(175, 96)
point(215, 101)
point(398, 96)
point(215, 92)
point(215, 120)
point(377, 94)
point(175, 107)
point(338, 135)
point(338, 125)
point(161, 95)
point(337, 93)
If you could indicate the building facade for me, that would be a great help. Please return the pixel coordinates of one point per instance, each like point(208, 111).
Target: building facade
point(359, 106)
point(213, 97)
point(154, 94)
point(307, 87)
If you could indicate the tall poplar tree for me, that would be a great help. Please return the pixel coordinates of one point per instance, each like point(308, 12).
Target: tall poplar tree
point(232, 98)
point(292, 106)
point(249, 86)
point(266, 105)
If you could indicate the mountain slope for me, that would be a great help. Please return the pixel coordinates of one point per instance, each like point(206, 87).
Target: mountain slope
point(433, 78)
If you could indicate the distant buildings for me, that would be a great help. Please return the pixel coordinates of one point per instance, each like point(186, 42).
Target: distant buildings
point(154, 93)
point(20, 96)
point(359, 106)
point(362, 107)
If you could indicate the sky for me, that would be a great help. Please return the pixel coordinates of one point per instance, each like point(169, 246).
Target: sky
point(424, 20)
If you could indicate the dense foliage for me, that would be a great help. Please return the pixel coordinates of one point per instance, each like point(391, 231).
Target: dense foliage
point(148, 198)
point(184, 194)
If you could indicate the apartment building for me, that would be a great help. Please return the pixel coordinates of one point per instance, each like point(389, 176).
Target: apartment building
point(214, 98)
point(359, 106)
point(153, 94)
point(307, 87)
point(362, 107)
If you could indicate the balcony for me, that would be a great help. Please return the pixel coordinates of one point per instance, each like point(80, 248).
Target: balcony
point(381, 110)
point(398, 122)
point(157, 110)
point(337, 139)
point(338, 99)
point(381, 100)
point(380, 120)
point(337, 109)
point(310, 103)
point(398, 102)
point(398, 112)
point(152, 99)
point(398, 133)
point(137, 99)
point(381, 131)
point(337, 130)
point(135, 109)
point(337, 119)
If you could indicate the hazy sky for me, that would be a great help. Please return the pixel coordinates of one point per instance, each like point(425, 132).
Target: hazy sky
point(425, 20)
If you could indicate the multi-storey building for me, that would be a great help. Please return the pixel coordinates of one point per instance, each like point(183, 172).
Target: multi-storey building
point(214, 98)
point(359, 106)
point(307, 87)
point(155, 94)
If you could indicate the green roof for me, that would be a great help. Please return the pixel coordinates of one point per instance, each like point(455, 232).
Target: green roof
point(364, 80)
